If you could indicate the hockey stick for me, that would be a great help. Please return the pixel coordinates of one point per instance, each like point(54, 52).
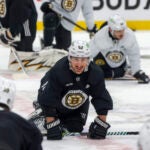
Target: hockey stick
point(67, 19)
point(18, 59)
point(110, 133)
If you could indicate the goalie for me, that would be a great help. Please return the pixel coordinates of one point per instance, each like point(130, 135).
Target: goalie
point(64, 93)
point(16, 133)
point(114, 47)
point(18, 24)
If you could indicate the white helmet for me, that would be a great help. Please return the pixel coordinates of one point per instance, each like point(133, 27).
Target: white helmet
point(79, 49)
point(117, 23)
point(143, 141)
point(7, 92)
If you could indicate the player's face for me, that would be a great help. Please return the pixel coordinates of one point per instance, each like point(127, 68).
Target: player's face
point(78, 65)
point(118, 34)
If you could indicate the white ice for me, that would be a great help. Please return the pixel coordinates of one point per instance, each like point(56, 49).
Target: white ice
point(131, 103)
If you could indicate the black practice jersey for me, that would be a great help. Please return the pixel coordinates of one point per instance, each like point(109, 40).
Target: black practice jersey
point(66, 91)
point(18, 133)
point(13, 13)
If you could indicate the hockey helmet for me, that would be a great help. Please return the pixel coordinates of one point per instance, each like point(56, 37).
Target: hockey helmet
point(7, 92)
point(117, 23)
point(143, 141)
point(79, 49)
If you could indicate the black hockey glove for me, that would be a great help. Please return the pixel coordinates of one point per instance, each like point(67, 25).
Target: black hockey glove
point(92, 31)
point(54, 130)
point(98, 129)
point(45, 7)
point(141, 77)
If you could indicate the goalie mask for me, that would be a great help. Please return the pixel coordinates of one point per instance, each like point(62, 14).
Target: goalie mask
point(117, 23)
point(143, 141)
point(7, 93)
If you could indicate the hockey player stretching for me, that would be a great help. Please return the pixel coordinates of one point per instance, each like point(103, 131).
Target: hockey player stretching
point(16, 133)
point(64, 95)
point(114, 46)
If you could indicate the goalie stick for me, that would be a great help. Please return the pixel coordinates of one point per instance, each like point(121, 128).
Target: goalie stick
point(18, 59)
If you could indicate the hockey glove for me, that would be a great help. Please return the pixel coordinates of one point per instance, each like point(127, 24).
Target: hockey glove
point(98, 129)
point(54, 130)
point(141, 77)
point(6, 39)
point(45, 7)
point(92, 31)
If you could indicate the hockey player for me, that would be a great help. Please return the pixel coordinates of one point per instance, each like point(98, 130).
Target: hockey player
point(16, 133)
point(115, 45)
point(61, 29)
point(64, 95)
point(18, 22)
point(143, 140)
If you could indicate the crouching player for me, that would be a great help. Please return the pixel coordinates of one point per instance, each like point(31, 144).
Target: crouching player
point(64, 93)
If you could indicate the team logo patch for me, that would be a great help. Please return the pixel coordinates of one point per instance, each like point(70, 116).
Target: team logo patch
point(2, 8)
point(115, 56)
point(69, 5)
point(74, 99)
point(100, 62)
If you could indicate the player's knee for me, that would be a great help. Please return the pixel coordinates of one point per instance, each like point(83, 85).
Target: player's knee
point(51, 21)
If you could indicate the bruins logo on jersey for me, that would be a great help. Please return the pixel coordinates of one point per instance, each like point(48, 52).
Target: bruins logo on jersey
point(2, 8)
point(100, 62)
point(115, 56)
point(69, 5)
point(74, 99)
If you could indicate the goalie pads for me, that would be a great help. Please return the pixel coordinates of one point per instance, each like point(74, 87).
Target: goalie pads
point(37, 61)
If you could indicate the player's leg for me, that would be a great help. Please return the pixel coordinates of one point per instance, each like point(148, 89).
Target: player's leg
point(74, 122)
point(51, 22)
point(63, 38)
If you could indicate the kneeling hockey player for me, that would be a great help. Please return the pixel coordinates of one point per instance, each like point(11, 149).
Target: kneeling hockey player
point(64, 95)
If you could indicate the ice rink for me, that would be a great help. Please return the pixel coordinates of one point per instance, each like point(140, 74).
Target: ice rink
point(131, 102)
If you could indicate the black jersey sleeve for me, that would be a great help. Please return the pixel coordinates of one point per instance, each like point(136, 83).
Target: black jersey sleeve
point(18, 12)
point(49, 94)
point(101, 98)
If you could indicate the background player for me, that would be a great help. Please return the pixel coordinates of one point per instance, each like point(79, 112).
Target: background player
point(61, 29)
point(114, 47)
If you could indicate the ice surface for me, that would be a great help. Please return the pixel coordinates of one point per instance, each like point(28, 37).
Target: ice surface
point(131, 102)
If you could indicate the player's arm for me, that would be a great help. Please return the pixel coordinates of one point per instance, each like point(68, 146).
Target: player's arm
point(134, 59)
point(52, 123)
point(48, 97)
point(88, 14)
point(102, 102)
